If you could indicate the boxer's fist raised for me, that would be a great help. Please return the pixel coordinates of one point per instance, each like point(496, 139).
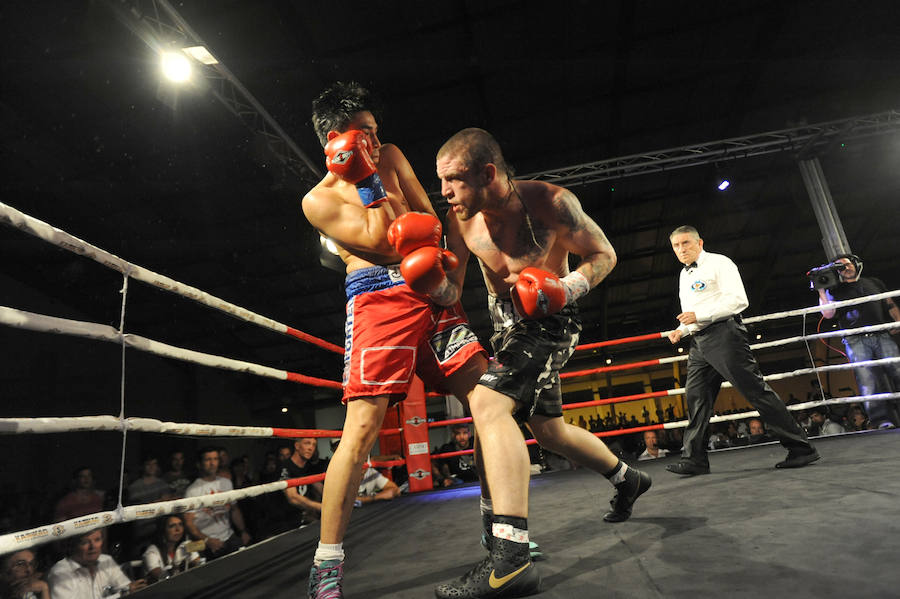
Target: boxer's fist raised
point(424, 269)
point(347, 156)
point(414, 230)
point(537, 293)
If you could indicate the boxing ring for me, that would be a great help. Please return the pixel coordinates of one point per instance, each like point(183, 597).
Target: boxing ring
point(746, 530)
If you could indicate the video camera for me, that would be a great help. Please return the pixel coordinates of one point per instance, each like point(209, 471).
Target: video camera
point(829, 275)
point(824, 277)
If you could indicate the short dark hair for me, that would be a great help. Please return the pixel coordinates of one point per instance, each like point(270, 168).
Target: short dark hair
point(205, 450)
point(335, 107)
point(459, 426)
point(476, 148)
point(685, 229)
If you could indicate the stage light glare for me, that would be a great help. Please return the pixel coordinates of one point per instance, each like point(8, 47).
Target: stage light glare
point(175, 66)
point(609, 360)
point(723, 185)
point(284, 410)
point(329, 245)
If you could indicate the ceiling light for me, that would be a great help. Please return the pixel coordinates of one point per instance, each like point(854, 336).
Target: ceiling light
point(200, 54)
point(283, 410)
point(175, 66)
point(723, 185)
point(609, 360)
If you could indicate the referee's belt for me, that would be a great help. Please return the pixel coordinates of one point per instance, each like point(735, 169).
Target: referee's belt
point(735, 317)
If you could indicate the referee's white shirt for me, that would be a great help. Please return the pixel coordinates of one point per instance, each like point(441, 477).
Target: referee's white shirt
point(713, 290)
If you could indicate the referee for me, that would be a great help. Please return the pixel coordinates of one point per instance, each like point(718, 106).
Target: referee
point(712, 298)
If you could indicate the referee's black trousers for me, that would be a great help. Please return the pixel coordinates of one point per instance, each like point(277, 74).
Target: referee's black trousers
point(720, 352)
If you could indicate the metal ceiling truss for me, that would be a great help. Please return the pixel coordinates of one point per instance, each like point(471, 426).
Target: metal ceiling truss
point(159, 25)
point(806, 141)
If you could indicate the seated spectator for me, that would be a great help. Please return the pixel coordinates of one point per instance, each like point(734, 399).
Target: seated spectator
point(240, 478)
point(82, 500)
point(285, 452)
point(146, 489)
point(459, 469)
point(176, 477)
point(170, 553)
point(859, 422)
point(758, 432)
point(270, 468)
point(375, 486)
point(19, 578)
point(653, 450)
point(802, 418)
point(240, 473)
point(149, 487)
point(224, 463)
point(822, 424)
point(88, 572)
point(214, 524)
point(717, 437)
point(303, 462)
point(733, 435)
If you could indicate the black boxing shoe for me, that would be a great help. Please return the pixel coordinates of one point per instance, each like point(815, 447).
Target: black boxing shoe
point(488, 580)
point(507, 572)
point(687, 468)
point(635, 484)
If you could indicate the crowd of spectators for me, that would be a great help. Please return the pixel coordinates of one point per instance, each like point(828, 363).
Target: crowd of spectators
point(124, 557)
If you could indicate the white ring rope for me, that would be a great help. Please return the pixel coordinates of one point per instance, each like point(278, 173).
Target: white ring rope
point(67, 528)
point(64, 326)
point(793, 407)
point(874, 328)
point(831, 306)
point(150, 425)
point(59, 238)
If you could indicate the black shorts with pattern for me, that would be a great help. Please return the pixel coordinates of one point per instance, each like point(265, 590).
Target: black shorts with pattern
point(528, 355)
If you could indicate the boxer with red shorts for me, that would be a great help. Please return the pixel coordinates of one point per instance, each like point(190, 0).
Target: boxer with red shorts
point(401, 320)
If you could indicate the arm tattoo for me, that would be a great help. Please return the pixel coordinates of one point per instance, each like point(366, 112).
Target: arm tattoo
point(568, 210)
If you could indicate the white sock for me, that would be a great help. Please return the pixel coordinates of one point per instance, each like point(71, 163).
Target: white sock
point(326, 552)
point(486, 505)
point(619, 476)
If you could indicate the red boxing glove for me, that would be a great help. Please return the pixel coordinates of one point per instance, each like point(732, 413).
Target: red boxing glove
point(424, 269)
point(414, 230)
point(347, 156)
point(537, 293)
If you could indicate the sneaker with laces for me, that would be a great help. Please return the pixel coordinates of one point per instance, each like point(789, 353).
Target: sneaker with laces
point(635, 484)
point(325, 580)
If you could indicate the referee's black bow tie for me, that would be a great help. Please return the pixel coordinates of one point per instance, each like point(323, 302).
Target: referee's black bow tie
point(690, 266)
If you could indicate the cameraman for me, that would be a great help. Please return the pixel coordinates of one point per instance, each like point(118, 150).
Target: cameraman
point(867, 346)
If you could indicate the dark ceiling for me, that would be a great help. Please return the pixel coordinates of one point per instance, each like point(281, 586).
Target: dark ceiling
point(94, 144)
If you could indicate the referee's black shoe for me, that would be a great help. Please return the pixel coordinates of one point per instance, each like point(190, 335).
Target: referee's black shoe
point(797, 458)
point(688, 468)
